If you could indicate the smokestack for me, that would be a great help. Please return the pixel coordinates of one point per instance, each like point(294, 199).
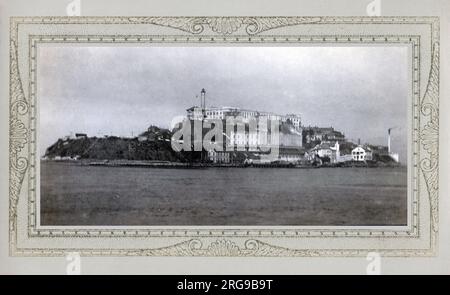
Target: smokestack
point(389, 140)
point(359, 141)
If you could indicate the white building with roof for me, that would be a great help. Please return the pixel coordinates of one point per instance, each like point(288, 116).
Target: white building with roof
point(359, 154)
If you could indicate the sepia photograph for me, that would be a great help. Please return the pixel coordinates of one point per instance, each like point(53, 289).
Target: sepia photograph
point(223, 135)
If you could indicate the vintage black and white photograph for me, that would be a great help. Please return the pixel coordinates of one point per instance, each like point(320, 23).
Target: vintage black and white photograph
point(287, 138)
point(223, 135)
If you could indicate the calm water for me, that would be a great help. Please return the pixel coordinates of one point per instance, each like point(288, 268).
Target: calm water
point(85, 195)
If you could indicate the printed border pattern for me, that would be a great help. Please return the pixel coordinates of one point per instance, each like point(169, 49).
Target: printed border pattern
point(261, 232)
point(18, 137)
point(227, 248)
point(430, 137)
point(19, 134)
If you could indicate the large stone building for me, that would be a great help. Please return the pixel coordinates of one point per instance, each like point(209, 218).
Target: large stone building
point(221, 113)
point(244, 138)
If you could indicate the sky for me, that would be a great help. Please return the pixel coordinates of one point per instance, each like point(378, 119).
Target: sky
point(122, 90)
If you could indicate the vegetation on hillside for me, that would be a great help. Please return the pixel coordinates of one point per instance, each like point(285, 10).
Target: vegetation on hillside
point(154, 144)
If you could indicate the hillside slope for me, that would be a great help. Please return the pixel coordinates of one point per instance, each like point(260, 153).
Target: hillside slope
point(116, 148)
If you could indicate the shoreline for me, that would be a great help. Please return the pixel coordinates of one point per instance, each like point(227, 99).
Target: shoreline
point(196, 165)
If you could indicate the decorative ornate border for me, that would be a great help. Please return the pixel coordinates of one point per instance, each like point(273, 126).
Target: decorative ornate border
point(227, 248)
point(216, 29)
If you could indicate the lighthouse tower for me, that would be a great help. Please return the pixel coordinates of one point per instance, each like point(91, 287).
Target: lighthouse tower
point(394, 156)
point(203, 98)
